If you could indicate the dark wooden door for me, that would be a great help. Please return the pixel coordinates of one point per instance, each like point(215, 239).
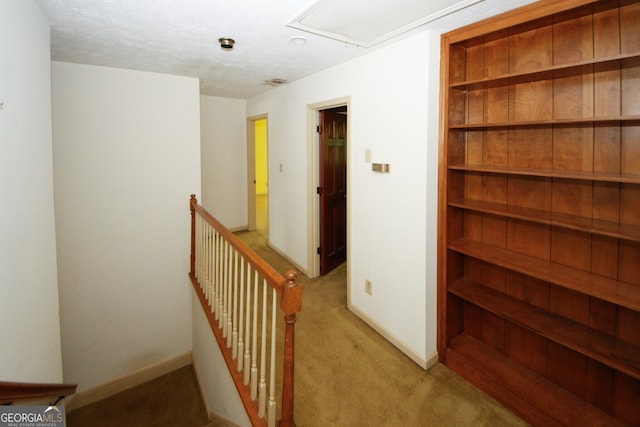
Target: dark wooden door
point(333, 189)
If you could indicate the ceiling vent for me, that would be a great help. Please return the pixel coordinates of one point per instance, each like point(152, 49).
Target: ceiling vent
point(366, 23)
point(275, 82)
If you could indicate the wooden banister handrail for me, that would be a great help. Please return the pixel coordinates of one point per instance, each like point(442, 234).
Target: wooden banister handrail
point(266, 270)
point(290, 303)
point(11, 392)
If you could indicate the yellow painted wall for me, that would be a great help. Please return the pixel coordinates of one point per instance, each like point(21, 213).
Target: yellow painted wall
point(262, 175)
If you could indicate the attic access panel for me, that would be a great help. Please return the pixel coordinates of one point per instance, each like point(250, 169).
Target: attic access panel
point(366, 23)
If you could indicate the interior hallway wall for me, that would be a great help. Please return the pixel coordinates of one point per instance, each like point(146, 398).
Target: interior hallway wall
point(126, 158)
point(29, 313)
point(224, 159)
point(393, 217)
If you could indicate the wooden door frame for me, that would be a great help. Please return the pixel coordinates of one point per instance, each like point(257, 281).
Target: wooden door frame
point(313, 181)
point(251, 168)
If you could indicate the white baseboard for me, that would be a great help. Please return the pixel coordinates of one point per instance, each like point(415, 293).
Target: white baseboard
point(288, 258)
point(419, 360)
point(127, 381)
point(203, 395)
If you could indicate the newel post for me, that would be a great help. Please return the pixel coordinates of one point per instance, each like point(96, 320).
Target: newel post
point(291, 303)
point(192, 207)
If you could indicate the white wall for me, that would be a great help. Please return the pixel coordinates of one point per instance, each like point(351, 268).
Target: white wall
point(393, 217)
point(29, 315)
point(216, 383)
point(126, 159)
point(224, 159)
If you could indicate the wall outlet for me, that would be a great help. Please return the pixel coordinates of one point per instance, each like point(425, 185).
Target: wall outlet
point(368, 287)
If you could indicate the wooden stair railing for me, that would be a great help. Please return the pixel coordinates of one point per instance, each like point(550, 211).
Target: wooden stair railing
point(12, 392)
point(232, 283)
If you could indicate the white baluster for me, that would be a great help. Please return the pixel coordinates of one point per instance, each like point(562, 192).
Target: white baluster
point(271, 412)
point(262, 387)
point(199, 248)
point(234, 309)
point(225, 276)
point(209, 237)
point(216, 278)
point(247, 356)
point(254, 352)
point(229, 305)
point(211, 263)
point(241, 309)
point(203, 258)
point(200, 252)
point(204, 278)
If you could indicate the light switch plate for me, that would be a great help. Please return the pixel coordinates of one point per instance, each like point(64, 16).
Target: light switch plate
point(367, 155)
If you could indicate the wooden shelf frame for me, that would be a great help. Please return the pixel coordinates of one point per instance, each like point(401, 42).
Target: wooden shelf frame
point(545, 73)
point(604, 348)
point(539, 221)
point(623, 178)
point(614, 291)
point(543, 402)
point(572, 222)
point(573, 122)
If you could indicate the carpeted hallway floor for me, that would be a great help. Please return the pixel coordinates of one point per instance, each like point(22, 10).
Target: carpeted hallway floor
point(346, 375)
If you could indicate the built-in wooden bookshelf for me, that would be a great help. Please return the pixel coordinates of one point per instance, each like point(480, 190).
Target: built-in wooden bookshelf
point(539, 210)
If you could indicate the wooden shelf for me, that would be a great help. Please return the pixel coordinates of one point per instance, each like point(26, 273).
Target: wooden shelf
point(526, 392)
point(614, 291)
point(588, 225)
point(539, 185)
point(552, 173)
point(596, 345)
point(544, 73)
point(584, 121)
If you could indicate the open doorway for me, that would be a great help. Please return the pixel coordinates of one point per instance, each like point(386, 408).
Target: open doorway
point(333, 188)
point(262, 177)
point(340, 216)
point(258, 174)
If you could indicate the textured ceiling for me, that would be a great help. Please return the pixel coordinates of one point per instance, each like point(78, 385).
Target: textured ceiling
point(181, 37)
